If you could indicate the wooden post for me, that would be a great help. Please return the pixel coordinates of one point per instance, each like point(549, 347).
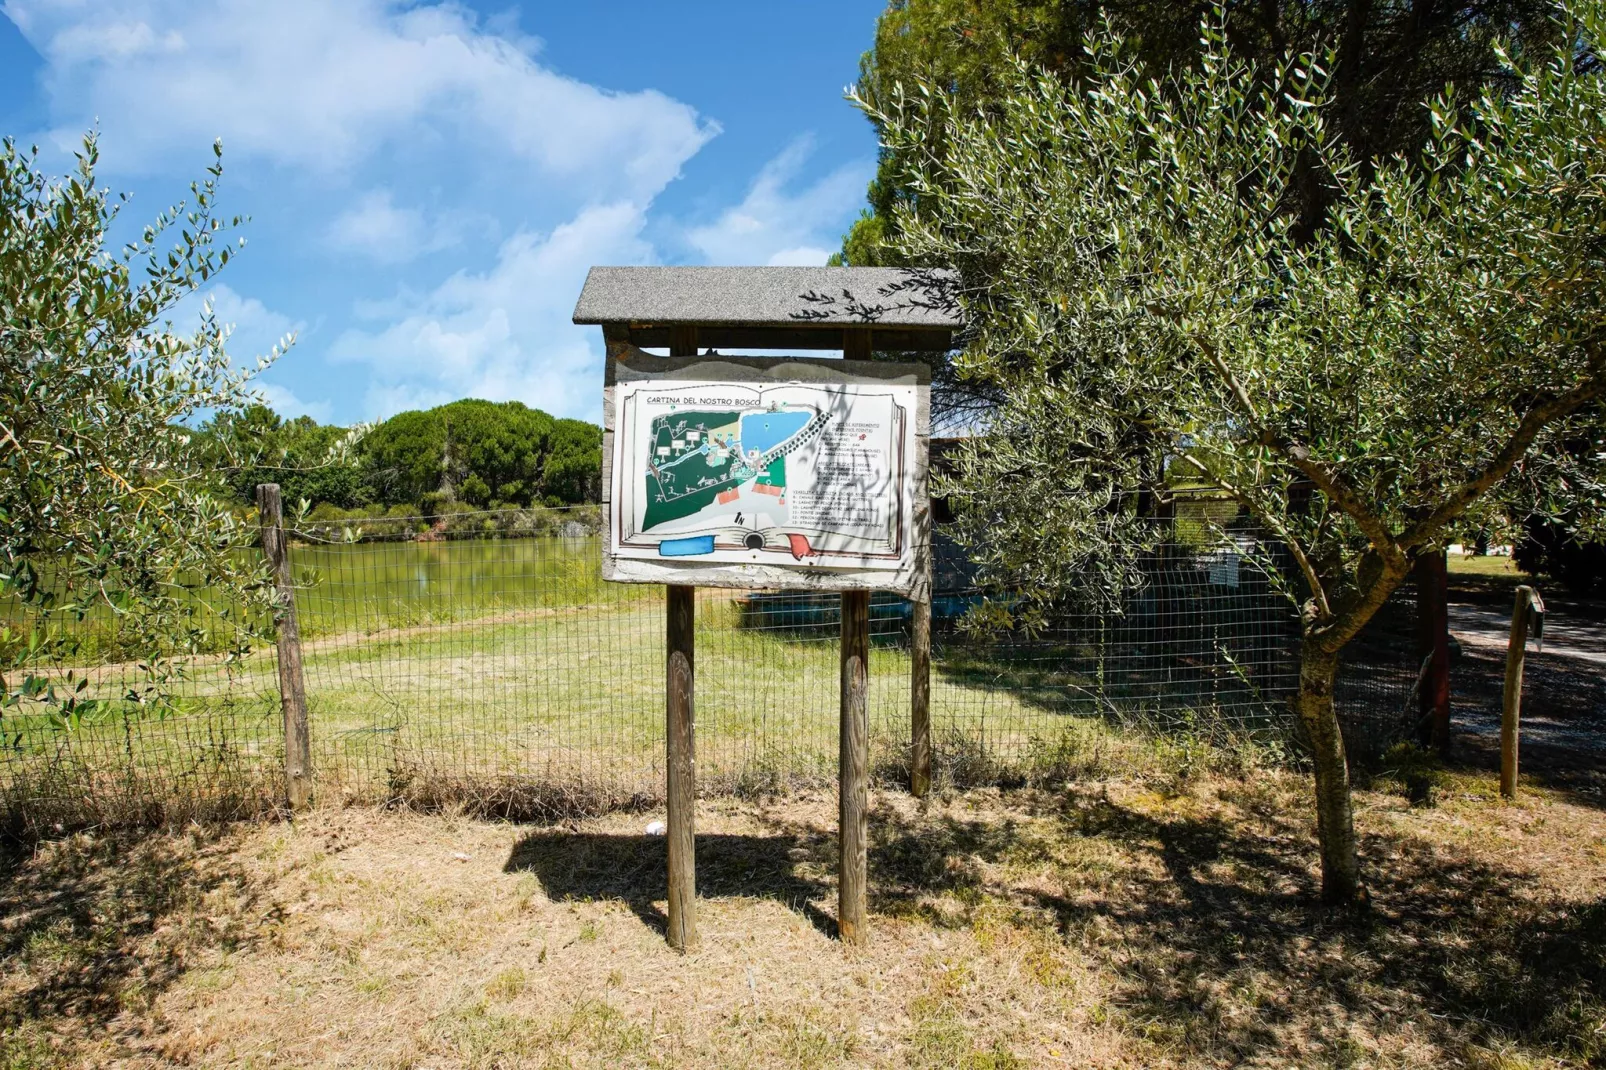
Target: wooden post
point(853, 771)
point(1511, 708)
point(857, 343)
point(925, 521)
point(920, 697)
point(680, 734)
point(1433, 647)
point(683, 341)
point(292, 687)
point(681, 741)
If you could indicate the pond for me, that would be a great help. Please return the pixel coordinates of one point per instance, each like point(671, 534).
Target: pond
point(365, 587)
point(343, 587)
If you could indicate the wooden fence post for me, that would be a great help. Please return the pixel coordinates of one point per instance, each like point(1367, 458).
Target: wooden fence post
point(292, 687)
point(1433, 647)
point(681, 742)
point(853, 770)
point(920, 698)
point(1511, 707)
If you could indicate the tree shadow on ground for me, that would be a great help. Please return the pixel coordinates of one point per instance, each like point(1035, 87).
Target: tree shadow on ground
point(632, 870)
point(95, 926)
point(1214, 928)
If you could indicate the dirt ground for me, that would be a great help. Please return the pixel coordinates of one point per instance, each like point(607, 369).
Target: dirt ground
point(1157, 920)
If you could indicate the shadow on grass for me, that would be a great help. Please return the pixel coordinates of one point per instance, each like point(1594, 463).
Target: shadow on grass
point(93, 927)
point(631, 869)
point(1222, 949)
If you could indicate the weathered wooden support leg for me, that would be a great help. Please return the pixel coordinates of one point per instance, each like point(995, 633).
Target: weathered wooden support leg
point(1511, 706)
point(854, 771)
point(680, 742)
point(292, 686)
point(920, 698)
point(858, 343)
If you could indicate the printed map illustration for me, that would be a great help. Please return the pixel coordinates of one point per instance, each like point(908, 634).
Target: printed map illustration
point(797, 474)
point(700, 457)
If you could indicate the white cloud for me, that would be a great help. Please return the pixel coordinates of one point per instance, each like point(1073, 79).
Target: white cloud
point(112, 41)
point(801, 256)
point(254, 331)
point(376, 228)
point(285, 402)
point(776, 225)
point(322, 86)
point(254, 328)
point(503, 334)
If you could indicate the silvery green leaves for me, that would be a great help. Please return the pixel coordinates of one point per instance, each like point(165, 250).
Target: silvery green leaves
point(1133, 276)
point(110, 544)
point(1160, 313)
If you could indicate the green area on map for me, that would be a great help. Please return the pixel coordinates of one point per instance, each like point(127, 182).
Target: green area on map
point(696, 455)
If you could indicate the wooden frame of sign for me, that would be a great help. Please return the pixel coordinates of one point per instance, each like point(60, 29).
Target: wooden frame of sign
point(868, 420)
point(793, 473)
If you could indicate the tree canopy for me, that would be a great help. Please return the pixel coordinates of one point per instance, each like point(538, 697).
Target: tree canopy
point(256, 445)
point(1386, 59)
point(481, 454)
point(1148, 311)
point(104, 501)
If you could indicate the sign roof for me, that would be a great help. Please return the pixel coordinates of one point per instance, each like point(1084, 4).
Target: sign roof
point(771, 296)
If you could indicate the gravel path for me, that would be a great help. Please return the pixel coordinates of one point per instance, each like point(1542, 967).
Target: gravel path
point(1564, 692)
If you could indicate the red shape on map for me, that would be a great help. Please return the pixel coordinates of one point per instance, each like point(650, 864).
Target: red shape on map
point(800, 546)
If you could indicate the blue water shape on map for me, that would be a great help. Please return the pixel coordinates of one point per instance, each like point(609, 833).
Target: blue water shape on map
point(694, 546)
point(763, 431)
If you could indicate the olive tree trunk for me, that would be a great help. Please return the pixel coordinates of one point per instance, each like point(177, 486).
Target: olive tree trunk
point(1335, 818)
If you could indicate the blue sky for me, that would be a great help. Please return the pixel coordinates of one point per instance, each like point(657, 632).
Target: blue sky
point(428, 182)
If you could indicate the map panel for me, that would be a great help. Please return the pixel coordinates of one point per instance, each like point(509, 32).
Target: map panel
point(807, 475)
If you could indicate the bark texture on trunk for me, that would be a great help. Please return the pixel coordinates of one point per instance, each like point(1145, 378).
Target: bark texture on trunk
point(1335, 818)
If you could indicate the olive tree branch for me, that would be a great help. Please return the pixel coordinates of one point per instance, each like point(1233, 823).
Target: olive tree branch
point(1317, 591)
point(1533, 421)
point(1299, 456)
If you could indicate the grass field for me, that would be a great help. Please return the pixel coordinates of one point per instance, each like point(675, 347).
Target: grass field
point(1142, 899)
point(1154, 912)
point(535, 709)
point(1486, 566)
point(510, 670)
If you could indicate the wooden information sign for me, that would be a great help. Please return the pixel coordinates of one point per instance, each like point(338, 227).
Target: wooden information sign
point(774, 473)
point(788, 472)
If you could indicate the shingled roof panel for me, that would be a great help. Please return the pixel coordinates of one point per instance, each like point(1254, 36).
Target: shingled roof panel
point(829, 296)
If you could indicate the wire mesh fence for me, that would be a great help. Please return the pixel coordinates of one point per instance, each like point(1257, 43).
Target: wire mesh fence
point(189, 736)
point(487, 660)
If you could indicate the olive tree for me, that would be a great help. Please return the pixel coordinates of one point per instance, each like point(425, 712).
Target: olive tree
point(1143, 302)
point(105, 507)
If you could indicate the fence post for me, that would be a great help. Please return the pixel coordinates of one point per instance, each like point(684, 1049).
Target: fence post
point(920, 697)
point(1433, 647)
point(853, 771)
point(680, 742)
point(1511, 707)
point(292, 687)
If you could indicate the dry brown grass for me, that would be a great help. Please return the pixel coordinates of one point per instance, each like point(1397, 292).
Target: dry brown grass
point(1112, 923)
